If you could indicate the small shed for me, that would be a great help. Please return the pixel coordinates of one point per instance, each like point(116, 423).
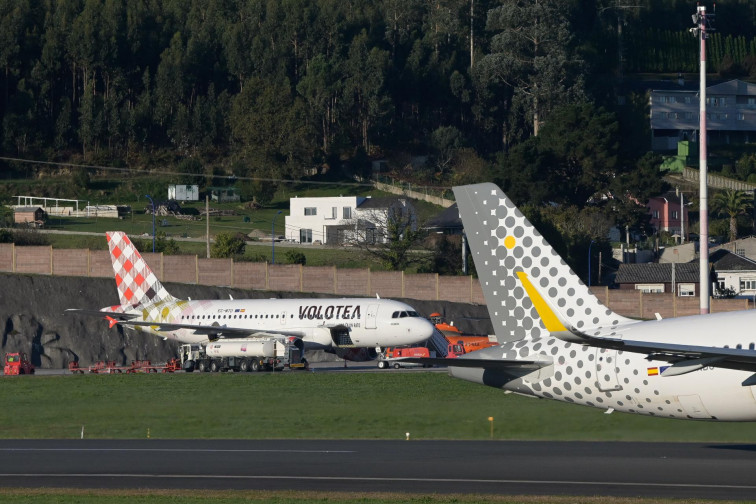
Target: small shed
point(180, 192)
point(224, 194)
point(29, 216)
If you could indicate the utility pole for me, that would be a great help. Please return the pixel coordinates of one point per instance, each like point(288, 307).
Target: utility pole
point(703, 24)
point(472, 21)
point(207, 224)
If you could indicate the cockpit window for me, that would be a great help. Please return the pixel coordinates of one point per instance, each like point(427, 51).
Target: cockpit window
point(413, 314)
point(403, 314)
point(395, 314)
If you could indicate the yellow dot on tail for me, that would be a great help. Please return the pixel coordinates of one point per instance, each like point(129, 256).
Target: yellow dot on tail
point(509, 241)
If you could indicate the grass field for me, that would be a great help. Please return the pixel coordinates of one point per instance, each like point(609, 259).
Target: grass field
point(316, 406)
point(309, 405)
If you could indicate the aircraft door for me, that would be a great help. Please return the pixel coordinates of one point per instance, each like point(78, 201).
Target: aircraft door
point(370, 317)
point(693, 406)
point(606, 370)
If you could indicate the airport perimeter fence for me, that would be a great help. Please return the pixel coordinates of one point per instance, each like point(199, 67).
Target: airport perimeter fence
point(45, 260)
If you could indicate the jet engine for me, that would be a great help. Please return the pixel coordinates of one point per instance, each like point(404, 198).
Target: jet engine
point(356, 354)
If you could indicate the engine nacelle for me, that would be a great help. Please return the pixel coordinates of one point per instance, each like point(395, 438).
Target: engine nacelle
point(356, 354)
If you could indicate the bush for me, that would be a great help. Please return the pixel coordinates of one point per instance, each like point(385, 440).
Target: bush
point(227, 245)
point(295, 257)
point(29, 237)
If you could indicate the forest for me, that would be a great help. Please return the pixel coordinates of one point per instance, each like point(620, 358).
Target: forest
point(530, 93)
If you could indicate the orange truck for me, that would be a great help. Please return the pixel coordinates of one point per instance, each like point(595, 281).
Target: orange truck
point(455, 337)
point(390, 356)
point(17, 363)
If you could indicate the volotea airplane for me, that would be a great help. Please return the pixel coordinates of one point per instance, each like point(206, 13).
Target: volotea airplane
point(352, 328)
point(560, 342)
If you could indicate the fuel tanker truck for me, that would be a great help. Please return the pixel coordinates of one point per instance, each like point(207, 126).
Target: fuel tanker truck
point(243, 355)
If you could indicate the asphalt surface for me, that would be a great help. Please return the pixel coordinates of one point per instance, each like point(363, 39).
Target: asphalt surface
point(651, 470)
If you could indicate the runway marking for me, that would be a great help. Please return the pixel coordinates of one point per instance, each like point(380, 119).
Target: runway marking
point(189, 450)
point(378, 479)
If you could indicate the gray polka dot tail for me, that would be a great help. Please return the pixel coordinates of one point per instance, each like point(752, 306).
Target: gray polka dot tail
point(559, 341)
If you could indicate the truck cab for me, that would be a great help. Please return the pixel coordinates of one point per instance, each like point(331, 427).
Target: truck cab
point(17, 363)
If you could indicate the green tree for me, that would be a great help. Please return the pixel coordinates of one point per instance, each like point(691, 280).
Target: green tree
point(295, 257)
point(574, 159)
point(227, 245)
point(531, 53)
point(732, 204)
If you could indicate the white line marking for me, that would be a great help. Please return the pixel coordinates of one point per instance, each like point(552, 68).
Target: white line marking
point(189, 450)
point(357, 478)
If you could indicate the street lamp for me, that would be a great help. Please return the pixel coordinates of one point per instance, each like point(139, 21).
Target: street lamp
point(273, 238)
point(589, 262)
point(153, 221)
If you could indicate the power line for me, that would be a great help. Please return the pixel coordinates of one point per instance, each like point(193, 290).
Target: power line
point(199, 175)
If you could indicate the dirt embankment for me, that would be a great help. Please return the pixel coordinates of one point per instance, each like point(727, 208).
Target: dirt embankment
point(33, 319)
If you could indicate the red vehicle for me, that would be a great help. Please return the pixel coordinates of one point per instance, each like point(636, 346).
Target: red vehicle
point(453, 335)
point(390, 355)
point(17, 363)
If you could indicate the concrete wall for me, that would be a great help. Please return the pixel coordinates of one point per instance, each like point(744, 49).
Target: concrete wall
point(324, 280)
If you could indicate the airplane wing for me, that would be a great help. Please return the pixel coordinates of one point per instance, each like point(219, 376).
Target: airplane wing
point(683, 358)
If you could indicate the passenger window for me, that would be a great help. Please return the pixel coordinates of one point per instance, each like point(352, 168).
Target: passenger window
point(751, 346)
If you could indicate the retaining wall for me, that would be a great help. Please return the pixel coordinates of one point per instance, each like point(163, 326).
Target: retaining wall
point(191, 269)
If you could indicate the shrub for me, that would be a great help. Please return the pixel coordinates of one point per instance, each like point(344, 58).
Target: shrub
point(295, 257)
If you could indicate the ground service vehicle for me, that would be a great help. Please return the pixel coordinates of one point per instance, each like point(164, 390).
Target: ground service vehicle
point(251, 354)
point(392, 356)
point(454, 336)
point(17, 363)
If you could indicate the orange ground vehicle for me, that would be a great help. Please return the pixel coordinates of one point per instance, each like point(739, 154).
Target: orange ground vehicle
point(454, 336)
point(17, 363)
point(389, 356)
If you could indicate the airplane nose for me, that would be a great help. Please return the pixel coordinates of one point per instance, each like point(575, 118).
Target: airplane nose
point(427, 329)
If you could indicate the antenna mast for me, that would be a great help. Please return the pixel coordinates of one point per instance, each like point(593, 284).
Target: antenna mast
point(703, 25)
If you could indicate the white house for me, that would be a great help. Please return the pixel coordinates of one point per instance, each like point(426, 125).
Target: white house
point(734, 272)
point(341, 219)
point(181, 192)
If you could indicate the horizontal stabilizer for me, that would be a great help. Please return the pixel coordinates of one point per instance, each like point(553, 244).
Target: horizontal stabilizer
point(495, 364)
point(97, 313)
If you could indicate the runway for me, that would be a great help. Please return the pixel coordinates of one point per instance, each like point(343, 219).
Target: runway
point(652, 470)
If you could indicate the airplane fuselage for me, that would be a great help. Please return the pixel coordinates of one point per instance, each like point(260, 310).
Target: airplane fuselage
point(367, 322)
point(628, 381)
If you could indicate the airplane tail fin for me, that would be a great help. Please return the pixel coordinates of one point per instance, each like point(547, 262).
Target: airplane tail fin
point(530, 291)
point(136, 282)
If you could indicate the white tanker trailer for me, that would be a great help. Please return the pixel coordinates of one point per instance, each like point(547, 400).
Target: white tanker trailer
point(250, 354)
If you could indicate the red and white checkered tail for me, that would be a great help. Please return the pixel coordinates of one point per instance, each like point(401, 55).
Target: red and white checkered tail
point(136, 282)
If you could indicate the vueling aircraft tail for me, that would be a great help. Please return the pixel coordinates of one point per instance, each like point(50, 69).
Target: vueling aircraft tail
point(528, 288)
point(137, 284)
